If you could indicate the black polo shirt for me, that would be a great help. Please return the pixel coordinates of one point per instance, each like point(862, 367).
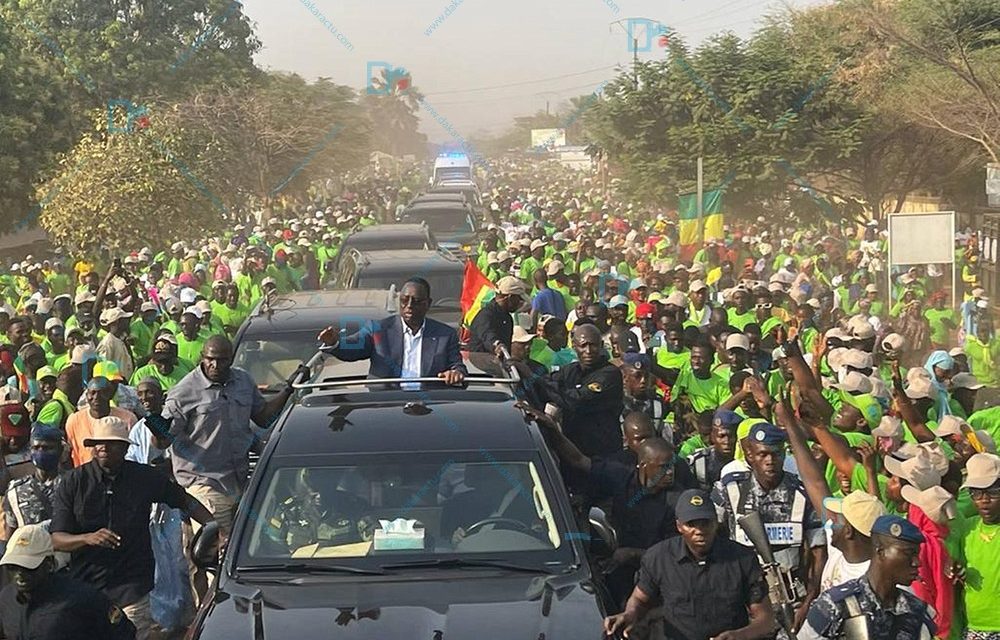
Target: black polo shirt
point(592, 402)
point(62, 609)
point(88, 500)
point(642, 518)
point(492, 323)
point(701, 599)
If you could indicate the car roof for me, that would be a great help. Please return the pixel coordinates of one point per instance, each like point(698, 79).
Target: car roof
point(383, 421)
point(393, 260)
point(438, 205)
point(395, 230)
point(305, 310)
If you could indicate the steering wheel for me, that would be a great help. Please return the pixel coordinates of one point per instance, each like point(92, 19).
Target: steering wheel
point(514, 524)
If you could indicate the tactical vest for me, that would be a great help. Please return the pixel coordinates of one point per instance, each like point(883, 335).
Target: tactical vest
point(785, 536)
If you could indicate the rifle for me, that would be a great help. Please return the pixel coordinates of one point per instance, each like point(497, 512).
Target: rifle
point(780, 589)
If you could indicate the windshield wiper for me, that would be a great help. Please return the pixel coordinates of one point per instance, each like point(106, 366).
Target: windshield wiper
point(301, 567)
point(450, 563)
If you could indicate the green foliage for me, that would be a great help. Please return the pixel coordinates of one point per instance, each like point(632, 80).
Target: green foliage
point(200, 162)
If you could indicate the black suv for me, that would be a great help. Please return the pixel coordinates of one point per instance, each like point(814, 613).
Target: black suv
point(453, 223)
point(281, 334)
point(382, 237)
point(381, 513)
point(384, 269)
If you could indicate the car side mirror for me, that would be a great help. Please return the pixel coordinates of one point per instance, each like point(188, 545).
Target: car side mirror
point(205, 546)
point(602, 532)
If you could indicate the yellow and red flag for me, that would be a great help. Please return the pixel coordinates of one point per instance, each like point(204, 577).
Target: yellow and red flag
point(477, 290)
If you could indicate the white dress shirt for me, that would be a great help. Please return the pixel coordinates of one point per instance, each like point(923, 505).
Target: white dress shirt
point(412, 343)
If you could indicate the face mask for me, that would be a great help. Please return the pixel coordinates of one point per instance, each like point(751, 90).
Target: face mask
point(45, 460)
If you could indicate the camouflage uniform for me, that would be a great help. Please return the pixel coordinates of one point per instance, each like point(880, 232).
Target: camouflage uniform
point(908, 619)
point(706, 465)
point(29, 500)
point(788, 517)
point(302, 520)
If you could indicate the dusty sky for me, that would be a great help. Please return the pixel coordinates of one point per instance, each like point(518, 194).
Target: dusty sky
point(490, 60)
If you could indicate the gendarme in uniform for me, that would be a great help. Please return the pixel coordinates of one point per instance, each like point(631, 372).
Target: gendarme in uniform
point(854, 610)
point(786, 511)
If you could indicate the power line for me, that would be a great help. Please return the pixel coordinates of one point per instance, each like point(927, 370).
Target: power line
point(518, 84)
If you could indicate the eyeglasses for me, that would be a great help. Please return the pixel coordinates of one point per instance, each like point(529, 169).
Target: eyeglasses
point(408, 301)
point(763, 305)
point(979, 494)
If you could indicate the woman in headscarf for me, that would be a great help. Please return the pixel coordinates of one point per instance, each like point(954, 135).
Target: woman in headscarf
point(941, 367)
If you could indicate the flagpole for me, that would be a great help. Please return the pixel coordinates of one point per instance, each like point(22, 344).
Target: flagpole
point(700, 237)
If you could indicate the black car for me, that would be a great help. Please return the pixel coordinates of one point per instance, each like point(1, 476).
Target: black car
point(384, 269)
point(382, 513)
point(439, 197)
point(382, 237)
point(281, 334)
point(453, 224)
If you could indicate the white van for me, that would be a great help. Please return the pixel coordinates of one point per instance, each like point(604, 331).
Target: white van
point(451, 166)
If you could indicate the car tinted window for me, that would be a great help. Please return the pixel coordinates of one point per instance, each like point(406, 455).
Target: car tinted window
point(484, 506)
point(271, 359)
point(446, 289)
point(441, 221)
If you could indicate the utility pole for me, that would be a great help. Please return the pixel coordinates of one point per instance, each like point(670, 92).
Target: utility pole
point(701, 200)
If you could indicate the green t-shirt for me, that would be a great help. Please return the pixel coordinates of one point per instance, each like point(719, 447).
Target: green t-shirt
point(189, 350)
point(704, 394)
point(740, 320)
point(180, 370)
point(988, 420)
point(936, 318)
point(691, 445)
point(981, 551)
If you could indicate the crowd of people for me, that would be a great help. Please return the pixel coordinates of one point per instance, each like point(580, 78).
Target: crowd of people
point(681, 387)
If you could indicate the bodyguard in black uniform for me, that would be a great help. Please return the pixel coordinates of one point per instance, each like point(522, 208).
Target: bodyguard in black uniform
point(710, 586)
point(51, 606)
point(589, 393)
point(643, 496)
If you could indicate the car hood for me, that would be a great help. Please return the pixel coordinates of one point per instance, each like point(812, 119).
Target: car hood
point(451, 605)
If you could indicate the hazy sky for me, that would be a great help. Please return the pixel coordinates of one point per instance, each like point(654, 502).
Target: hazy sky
point(490, 60)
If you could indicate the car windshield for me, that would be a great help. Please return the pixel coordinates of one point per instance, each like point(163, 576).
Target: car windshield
point(441, 221)
point(377, 508)
point(446, 289)
point(271, 359)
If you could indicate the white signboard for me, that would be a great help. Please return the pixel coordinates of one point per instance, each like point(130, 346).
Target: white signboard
point(922, 238)
point(993, 184)
point(548, 138)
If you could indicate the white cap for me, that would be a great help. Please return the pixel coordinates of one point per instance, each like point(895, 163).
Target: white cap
point(194, 311)
point(28, 547)
point(737, 341)
point(84, 297)
point(965, 380)
point(53, 322)
point(114, 314)
point(44, 306)
point(854, 382)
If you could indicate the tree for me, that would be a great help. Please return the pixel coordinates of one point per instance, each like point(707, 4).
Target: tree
point(120, 191)
point(942, 65)
point(273, 137)
point(392, 103)
point(34, 126)
point(195, 165)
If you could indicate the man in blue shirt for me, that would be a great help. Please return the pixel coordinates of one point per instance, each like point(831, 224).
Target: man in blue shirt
point(547, 301)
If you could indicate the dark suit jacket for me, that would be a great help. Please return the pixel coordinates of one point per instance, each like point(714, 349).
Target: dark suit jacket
point(382, 343)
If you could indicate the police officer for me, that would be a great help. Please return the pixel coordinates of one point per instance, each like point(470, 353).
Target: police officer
point(707, 463)
point(589, 394)
point(29, 499)
point(873, 606)
point(793, 528)
point(42, 604)
point(640, 395)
